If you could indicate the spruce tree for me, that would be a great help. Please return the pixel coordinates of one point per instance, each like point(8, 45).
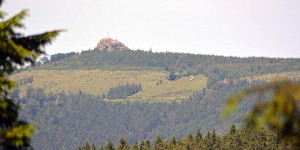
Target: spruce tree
point(16, 49)
point(87, 146)
point(110, 145)
point(93, 146)
point(173, 141)
point(135, 146)
point(214, 137)
point(147, 144)
point(232, 130)
point(123, 144)
point(142, 145)
point(158, 143)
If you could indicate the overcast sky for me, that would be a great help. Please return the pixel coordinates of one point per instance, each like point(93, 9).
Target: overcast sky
point(220, 27)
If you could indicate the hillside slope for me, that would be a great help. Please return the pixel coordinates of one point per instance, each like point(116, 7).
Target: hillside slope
point(68, 120)
point(69, 109)
point(98, 82)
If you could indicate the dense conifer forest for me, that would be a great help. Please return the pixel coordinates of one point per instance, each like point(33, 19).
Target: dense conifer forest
point(69, 120)
point(234, 139)
point(216, 68)
point(123, 91)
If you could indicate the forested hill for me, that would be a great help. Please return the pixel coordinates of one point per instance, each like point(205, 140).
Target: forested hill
point(70, 118)
point(177, 62)
point(214, 67)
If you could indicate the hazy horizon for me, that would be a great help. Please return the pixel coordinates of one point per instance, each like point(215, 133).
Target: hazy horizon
point(230, 28)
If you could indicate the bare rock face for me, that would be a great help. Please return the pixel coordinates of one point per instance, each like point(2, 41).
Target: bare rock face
point(108, 44)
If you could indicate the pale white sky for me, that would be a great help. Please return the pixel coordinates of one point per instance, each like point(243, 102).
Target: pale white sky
point(221, 27)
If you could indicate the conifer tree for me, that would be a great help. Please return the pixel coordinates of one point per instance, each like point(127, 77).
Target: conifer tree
point(93, 147)
point(232, 130)
point(123, 144)
point(110, 145)
point(214, 137)
point(158, 143)
point(173, 141)
point(217, 145)
point(101, 148)
point(198, 136)
point(208, 140)
point(147, 144)
point(16, 49)
point(142, 145)
point(189, 138)
point(135, 146)
point(87, 146)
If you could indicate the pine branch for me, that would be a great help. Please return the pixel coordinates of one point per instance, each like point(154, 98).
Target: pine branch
point(14, 22)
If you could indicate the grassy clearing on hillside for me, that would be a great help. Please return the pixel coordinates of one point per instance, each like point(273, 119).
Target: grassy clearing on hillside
point(97, 82)
point(180, 88)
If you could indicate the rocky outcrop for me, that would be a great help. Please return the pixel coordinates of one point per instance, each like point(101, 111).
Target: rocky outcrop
point(108, 44)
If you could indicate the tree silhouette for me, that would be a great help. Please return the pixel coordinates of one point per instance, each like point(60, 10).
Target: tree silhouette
point(16, 50)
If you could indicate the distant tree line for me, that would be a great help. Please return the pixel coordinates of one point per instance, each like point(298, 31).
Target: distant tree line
point(61, 56)
point(216, 68)
point(123, 91)
point(235, 139)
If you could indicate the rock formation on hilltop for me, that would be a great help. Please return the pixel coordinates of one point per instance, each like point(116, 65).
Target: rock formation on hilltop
point(108, 44)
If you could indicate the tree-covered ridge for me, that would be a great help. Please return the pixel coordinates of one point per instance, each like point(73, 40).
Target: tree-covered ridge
point(68, 120)
point(215, 68)
point(185, 64)
point(235, 139)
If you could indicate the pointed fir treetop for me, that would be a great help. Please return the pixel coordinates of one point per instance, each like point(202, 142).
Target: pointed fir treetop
point(16, 49)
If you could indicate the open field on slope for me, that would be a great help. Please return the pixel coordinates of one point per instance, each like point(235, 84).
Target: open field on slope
point(97, 82)
point(181, 88)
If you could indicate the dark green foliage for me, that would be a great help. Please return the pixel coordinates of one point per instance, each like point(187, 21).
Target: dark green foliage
point(68, 120)
point(277, 107)
point(241, 139)
point(147, 144)
point(158, 144)
point(123, 144)
point(172, 76)
point(16, 49)
point(216, 68)
point(88, 146)
point(123, 91)
point(232, 130)
point(61, 56)
point(110, 146)
point(135, 146)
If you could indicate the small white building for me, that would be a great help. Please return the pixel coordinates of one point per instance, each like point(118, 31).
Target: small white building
point(192, 78)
